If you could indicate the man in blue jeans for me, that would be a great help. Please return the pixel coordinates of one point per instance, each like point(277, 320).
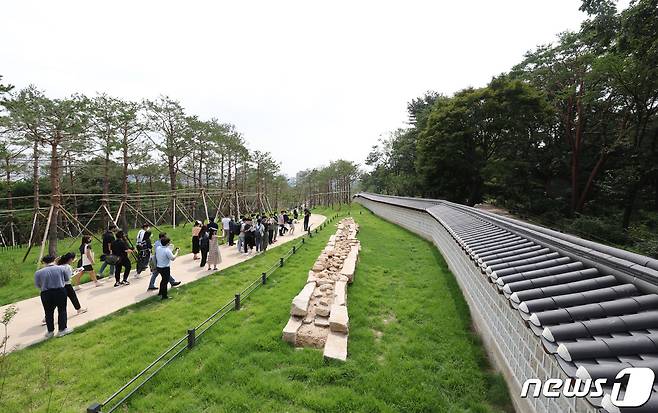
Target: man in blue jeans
point(154, 273)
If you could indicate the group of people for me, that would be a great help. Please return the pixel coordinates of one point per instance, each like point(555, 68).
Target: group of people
point(255, 233)
point(58, 281)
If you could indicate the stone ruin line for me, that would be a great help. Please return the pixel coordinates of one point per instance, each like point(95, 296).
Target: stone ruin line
point(318, 315)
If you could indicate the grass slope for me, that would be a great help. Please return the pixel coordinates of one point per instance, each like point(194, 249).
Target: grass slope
point(410, 346)
point(17, 278)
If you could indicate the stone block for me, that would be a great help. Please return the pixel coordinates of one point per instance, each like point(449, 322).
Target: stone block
point(340, 293)
point(322, 310)
point(339, 321)
point(336, 346)
point(290, 330)
point(301, 300)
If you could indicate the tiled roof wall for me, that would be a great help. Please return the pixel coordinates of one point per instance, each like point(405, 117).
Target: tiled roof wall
point(548, 305)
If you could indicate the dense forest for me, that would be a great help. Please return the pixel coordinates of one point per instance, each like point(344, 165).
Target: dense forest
point(568, 137)
point(83, 155)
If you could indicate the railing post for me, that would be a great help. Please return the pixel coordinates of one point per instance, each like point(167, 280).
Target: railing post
point(294, 249)
point(263, 278)
point(237, 302)
point(303, 239)
point(94, 408)
point(281, 262)
point(191, 338)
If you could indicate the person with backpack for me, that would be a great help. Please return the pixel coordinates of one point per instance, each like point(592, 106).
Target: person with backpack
point(204, 245)
point(86, 263)
point(249, 235)
point(121, 250)
point(144, 252)
point(140, 234)
point(108, 237)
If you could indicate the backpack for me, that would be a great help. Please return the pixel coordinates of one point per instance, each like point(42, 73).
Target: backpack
point(204, 242)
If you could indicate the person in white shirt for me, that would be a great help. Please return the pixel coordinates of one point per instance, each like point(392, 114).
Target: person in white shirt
point(163, 257)
point(226, 228)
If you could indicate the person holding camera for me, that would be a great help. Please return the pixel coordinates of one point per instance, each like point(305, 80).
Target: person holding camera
point(164, 257)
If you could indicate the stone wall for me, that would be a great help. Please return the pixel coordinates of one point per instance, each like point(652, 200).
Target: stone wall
point(514, 350)
point(318, 314)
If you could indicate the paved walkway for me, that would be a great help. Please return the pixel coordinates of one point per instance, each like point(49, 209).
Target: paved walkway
point(26, 329)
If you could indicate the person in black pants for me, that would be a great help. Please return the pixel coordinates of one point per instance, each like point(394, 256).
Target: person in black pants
point(233, 229)
point(204, 245)
point(66, 260)
point(51, 280)
point(164, 256)
point(121, 250)
point(307, 216)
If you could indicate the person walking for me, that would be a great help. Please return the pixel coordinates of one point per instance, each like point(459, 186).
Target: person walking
point(50, 280)
point(86, 263)
point(307, 216)
point(226, 228)
point(241, 235)
point(282, 223)
point(204, 245)
point(232, 231)
point(264, 241)
point(258, 235)
point(195, 239)
point(291, 223)
point(212, 224)
point(108, 237)
point(214, 256)
point(121, 250)
point(164, 256)
point(65, 261)
point(154, 262)
point(140, 234)
point(144, 253)
point(249, 237)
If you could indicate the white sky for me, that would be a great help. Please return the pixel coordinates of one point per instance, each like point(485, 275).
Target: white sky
point(308, 81)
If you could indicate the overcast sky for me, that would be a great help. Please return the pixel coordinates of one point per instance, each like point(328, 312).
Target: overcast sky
point(308, 81)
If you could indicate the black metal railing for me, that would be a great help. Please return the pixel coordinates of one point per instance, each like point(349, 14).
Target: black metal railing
point(188, 341)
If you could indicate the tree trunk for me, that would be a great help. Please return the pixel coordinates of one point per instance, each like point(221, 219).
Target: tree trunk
point(106, 187)
point(629, 203)
point(75, 198)
point(124, 221)
point(55, 196)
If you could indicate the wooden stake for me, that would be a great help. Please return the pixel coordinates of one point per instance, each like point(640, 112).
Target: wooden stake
point(45, 235)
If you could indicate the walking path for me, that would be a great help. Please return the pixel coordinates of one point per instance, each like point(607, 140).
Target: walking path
point(25, 328)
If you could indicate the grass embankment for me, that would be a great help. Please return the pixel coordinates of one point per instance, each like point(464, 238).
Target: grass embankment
point(410, 348)
point(17, 278)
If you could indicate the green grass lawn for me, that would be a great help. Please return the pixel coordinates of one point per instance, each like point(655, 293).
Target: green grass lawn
point(410, 347)
point(17, 281)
